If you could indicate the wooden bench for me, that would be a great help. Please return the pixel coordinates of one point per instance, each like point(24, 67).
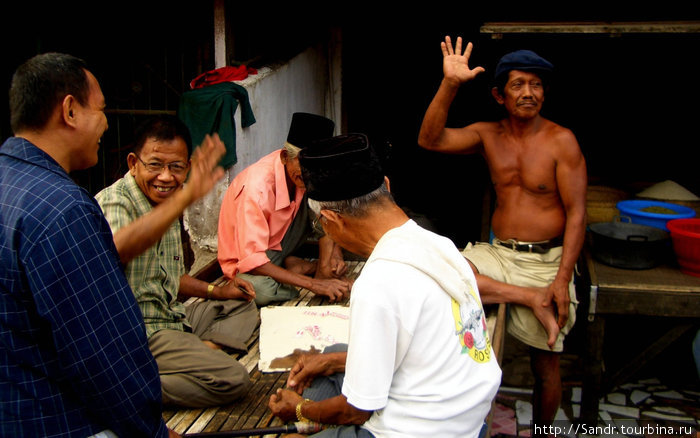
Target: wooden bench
point(252, 411)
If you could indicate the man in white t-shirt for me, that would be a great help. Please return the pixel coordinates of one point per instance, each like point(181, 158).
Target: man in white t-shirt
point(419, 360)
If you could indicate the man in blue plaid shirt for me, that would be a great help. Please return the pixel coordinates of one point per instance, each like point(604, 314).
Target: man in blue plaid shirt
point(74, 360)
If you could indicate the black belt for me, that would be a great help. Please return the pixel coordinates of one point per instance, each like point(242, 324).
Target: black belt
point(536, 247)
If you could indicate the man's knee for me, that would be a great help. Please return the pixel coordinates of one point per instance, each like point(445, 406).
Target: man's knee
point(195, 392)
point(281, 292)
point(240, 388)
point(262, 300)
point(268, 290)
point(237, 377)
point(336, 348)
point(231, 383)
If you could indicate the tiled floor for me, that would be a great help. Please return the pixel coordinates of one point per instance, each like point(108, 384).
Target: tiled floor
point(642, 408)
point(646, 406)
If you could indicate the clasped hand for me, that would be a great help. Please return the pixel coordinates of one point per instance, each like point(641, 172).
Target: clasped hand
point(283, 403)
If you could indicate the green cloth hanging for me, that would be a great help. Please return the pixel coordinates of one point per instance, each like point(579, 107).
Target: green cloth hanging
point(210, 109)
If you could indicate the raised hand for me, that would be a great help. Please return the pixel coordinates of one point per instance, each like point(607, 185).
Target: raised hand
point(455, 63)
point(205, 171)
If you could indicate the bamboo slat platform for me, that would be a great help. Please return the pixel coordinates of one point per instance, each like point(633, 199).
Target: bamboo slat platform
point(251, 411)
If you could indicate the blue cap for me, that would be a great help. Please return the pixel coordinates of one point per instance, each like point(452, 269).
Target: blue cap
point(525, 60)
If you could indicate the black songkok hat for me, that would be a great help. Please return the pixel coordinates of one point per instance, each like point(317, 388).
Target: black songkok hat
point(306, 128)
point(524, 60)
point(340, 168)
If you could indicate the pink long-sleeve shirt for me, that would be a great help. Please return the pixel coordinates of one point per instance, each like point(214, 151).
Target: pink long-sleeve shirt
point(256, 213)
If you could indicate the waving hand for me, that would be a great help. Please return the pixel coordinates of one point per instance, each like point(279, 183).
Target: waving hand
point(455, 64)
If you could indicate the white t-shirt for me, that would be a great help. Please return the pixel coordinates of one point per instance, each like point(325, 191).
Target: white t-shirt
point(416, 357)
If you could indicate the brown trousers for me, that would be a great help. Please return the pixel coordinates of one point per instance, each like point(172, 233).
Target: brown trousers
point(195, 375)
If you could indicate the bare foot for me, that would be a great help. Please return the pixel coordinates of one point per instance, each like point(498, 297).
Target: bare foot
point(212, 345)
point(324, 271)
point(299, 265)
point(545, 314)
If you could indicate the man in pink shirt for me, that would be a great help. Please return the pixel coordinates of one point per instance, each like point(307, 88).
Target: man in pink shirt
point(264, 218)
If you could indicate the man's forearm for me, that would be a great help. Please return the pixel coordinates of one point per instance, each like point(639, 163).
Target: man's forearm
point(133, 239)
point(193, 287)
point(492, 292)
point(336, 362)
point(326, 247)
point(282, 275)
point(436, 115)
point(334, 410)
point(574, 236)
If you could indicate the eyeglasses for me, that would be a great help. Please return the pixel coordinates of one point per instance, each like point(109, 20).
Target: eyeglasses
point(317, 220)
point(176, 167)
point(319, 216)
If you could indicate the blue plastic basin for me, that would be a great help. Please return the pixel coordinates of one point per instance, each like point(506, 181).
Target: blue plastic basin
point(633, 209)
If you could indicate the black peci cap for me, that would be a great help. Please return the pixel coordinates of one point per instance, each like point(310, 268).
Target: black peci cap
point(340, 168)
point(306, 127)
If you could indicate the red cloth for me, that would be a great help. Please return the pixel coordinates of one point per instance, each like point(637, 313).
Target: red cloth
point(223, 74)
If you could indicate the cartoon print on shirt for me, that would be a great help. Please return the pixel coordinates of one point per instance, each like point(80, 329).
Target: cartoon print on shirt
point(470, 327)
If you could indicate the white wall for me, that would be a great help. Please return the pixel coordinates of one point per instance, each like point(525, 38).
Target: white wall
point(302, 84)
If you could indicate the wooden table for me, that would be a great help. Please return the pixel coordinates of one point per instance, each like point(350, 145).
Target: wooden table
point(663, 291)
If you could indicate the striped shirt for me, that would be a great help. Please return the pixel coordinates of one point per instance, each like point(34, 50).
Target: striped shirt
point(154, 275)
point(74, 359)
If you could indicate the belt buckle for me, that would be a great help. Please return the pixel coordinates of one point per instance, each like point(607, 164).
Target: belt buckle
point(512, 243)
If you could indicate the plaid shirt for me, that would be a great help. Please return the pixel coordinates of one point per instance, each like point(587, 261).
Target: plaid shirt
point(154, 276)
point(74, 359)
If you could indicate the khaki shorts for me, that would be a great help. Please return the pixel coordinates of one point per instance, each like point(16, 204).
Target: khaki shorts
point(523, 269)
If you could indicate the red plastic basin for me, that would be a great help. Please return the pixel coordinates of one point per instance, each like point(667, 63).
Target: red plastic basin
point(685, 235)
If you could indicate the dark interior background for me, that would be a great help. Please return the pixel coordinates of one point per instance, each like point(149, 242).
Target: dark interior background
point(630, 99)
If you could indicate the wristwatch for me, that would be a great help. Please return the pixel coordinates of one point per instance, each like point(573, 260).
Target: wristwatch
point(210, 289)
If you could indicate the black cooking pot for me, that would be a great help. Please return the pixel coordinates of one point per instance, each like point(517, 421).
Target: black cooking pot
point(627, 245)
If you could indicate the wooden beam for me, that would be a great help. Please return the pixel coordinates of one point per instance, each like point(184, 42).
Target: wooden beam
point(219, 34)
point(613, 28)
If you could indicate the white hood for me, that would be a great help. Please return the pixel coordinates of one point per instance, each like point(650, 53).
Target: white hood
point(434, 255)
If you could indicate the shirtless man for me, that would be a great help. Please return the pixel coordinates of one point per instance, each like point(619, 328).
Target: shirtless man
point(539, 176)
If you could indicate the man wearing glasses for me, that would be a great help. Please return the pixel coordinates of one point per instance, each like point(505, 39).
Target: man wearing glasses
point(143, 210)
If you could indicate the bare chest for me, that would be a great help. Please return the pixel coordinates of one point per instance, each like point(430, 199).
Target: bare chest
point(526, 166)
